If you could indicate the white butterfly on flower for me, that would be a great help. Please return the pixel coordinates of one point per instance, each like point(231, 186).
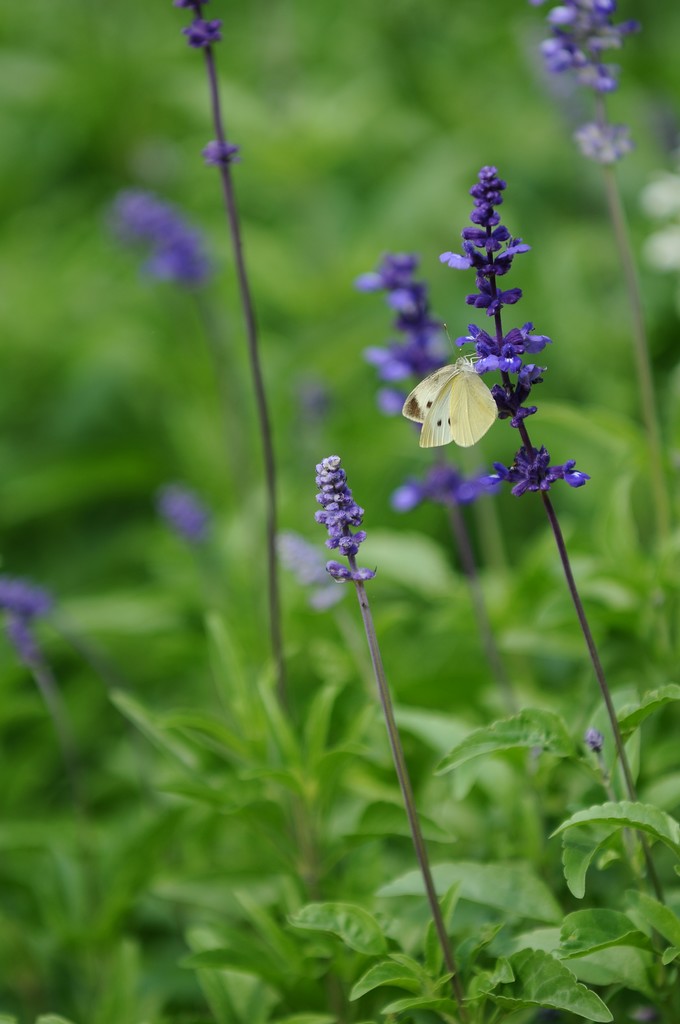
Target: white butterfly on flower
point(453, 404)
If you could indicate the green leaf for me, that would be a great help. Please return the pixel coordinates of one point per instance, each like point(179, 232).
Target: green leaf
point(433, 949)
point(233, 996)
point(209, 732)
point(586, 931)
point(438, 731)
point(435, 1003)
point(632, 715)
point(45, 1018)
point(389, 972)
point(148, 724)
point(387, 819)
point(354, 925)
point(307, 1018)
point(412, 560)
point(530, 728)
point(670, 954)
point(659, 917)
point(317, 724)
point(622, 966)
point(587, 830)
point(541, 981)
point(508, 886)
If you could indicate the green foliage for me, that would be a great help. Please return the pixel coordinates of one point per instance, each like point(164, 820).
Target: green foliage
point(221, 858)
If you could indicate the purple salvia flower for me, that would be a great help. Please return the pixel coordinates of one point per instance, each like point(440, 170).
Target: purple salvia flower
point(340, 512)
point(176, 250)
point(594, 740)
point(194, 4)
point(18, 597)
point(184, 512)
point(22, 602)
point(581, 31)
point(201, 33)
point(419, 350)
point(217, 153)
point(444, 485)
point(304, 561)
point(604, 143)
point(487, 246)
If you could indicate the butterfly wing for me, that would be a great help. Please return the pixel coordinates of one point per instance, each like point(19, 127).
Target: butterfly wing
point(437, 426)
point(473, 409)
point(419, 403)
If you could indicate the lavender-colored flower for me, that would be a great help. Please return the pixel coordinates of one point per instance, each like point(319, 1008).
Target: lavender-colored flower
point(531, 471)
point(195, 4)
point(201, 33)
point(303, 559)
point(184, 512)
point(445, 485)
point(594, 740)
point(581, 30)
point(604, 143)
point(18, 597)
point(490, 249)
point(421, 350)
point(176, 251)
point(217, 154)
point(22, 603)
point(340, 512)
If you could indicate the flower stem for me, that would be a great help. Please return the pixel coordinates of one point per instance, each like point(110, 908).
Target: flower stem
point(258, 383)
point(407, 793)
point(47, 685)
point(641, 350)
point(602, 681)
point(467, 557)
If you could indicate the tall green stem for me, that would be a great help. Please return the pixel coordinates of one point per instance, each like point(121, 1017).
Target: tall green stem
point(407, 794)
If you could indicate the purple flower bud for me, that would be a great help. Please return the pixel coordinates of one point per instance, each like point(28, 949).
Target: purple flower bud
point(604, 143)
point(23, 602)
point(594, 740)
point(184, 512)
point(217, 154)
point(201, 33)
point(175, 250)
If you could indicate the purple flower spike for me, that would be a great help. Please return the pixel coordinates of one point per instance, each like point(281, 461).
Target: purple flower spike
point(184, 512)
point(490, 249)
point(201, 33)
point(420, 348)
point(340, 512)
point(444, 485)
point(216, 154)
point(303, 559)
point(581, 31)
point(195, 4)
point(176, 250)
point(22, 603)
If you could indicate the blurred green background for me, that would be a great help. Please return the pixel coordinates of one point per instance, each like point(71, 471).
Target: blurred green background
point(362, 126)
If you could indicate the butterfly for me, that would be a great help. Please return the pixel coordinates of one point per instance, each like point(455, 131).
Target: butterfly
point(453, 404)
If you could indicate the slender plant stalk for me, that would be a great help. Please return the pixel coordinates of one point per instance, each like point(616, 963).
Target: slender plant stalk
point(467, 557)
point(599, 673)
point(47, 685)
point(258, 382)
point(640, 344)
point(407, 793)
